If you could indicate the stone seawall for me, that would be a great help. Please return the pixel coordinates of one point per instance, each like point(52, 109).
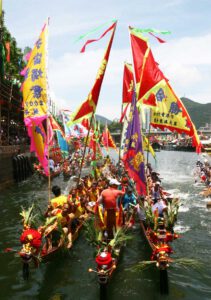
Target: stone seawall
point(7, 153)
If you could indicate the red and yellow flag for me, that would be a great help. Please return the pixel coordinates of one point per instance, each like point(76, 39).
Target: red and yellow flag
point(128, 84)
point(107, 139)
point(147, 72)
point(89, 105)
point(154, 90)
point(55, 125)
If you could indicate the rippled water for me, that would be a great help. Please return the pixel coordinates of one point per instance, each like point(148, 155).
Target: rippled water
point(67, 277)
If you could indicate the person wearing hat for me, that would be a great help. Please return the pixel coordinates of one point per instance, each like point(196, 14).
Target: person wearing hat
point(109, 200)
point(109, 196)
point(156, 190)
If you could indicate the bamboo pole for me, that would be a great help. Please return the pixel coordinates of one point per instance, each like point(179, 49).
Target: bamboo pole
point(49, 173)
point(120, 144)
point(85, 146)
point(149, 135)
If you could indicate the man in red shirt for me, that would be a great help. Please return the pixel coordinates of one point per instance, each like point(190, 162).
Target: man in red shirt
point(109, 199)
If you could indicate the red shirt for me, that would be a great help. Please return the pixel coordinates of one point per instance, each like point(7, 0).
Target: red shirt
point(110, 196)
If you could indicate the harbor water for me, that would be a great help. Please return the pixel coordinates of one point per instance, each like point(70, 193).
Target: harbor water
point(67, 276)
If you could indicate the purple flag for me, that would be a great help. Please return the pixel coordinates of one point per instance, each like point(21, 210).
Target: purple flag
point(133, 156)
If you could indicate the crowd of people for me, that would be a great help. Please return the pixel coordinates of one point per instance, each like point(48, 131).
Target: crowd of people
point(202, 174)
point(16, 137)
point(108, 193)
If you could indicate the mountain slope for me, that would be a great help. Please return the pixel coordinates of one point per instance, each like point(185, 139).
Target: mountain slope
point(200, 113)
point(103, 120)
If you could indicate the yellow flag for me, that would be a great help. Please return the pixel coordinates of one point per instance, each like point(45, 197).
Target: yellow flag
point(147, 146)
point(169, 111)
point(0, 10)
point(35, 85)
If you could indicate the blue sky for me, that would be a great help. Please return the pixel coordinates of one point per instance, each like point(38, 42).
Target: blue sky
point(185, 59)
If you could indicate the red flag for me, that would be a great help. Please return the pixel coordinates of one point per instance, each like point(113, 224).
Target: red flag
point(95, 40)
point(85, 123)
point(151, 100)
point(167, 109)
point(107, 139)
point(55, 125)
point(89, 105)
point(7, 46)
point(159, 39)
point(128, 84)
point(147, 72)
point(124, 113)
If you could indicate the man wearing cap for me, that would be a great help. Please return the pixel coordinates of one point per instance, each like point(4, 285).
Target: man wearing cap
point(109, 198)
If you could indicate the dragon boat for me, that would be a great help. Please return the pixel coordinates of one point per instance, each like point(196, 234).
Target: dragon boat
point(109, 241)
point(159, 233)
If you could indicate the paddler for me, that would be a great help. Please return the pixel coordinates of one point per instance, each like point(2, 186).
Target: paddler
point(93, 192)
point(59, 200)
point(56, 207)
point(109, 200)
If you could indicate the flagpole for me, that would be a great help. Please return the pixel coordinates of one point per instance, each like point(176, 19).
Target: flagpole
point(49, 174)
point(149, 135)
point(85, 146)
point(106, 131)
point(48, 113)
point(120, 144)
point(147, 188)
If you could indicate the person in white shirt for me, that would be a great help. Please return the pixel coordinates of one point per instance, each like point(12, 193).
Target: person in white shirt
point(160, 206)
point(51, 165)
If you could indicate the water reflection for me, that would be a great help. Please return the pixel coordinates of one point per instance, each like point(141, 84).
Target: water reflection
point(67, 277)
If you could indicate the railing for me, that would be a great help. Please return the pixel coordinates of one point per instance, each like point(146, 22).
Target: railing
point(14, 149)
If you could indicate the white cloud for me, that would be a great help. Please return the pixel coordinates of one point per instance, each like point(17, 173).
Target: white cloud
point(73, 75)
point(189, 50)
point(186, 63)
point(173, 3)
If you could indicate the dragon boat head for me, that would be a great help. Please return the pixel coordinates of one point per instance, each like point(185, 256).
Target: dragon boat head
point(162, 260)
point(105, 266)
point(26, 253)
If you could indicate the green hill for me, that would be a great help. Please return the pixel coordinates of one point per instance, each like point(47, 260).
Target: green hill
point(103, 120)
point(200, 113)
